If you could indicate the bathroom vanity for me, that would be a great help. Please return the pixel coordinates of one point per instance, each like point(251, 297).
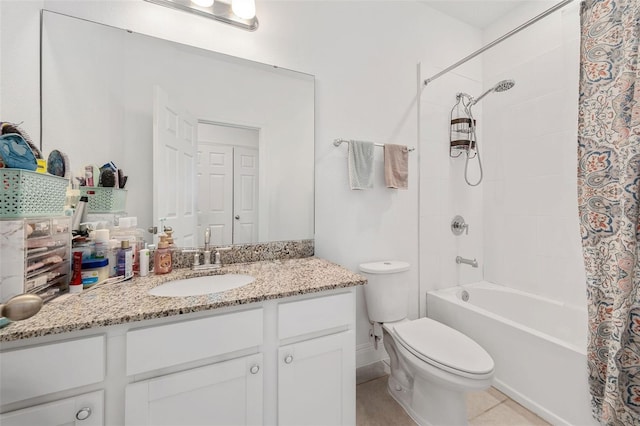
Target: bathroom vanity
point(280, 350)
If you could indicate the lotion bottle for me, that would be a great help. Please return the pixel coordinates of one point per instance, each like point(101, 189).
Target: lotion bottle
point(144, 261)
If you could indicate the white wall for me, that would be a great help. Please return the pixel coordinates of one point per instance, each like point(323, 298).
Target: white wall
point(532, 236)
point(364, 57)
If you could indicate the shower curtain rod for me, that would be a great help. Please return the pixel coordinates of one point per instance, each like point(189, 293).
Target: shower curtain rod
point(499, 40)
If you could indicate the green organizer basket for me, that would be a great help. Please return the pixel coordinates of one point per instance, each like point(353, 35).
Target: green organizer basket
point(104, 200)
point(30, 194)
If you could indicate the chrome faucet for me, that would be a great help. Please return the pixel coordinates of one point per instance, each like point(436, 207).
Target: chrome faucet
point(217, 263)
point(472, 262)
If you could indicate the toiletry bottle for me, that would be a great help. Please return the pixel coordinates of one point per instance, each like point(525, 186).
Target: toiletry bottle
point(101, 243)
point(80, 213)
point(144, 261)
point(125, 260)
point(112, 255)
point(162, 258)
point(127, 230)
point(75, 286)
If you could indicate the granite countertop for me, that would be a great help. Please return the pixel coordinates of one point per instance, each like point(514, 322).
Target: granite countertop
point(128, 301)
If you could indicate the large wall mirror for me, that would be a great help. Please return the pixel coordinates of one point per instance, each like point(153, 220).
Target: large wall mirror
point(206, 140)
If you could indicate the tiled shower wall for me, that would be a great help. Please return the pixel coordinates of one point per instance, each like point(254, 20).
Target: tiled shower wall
point(529, 142)
point(443, 191)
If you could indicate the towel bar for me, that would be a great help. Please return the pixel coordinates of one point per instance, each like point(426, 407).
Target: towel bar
point(337, 142)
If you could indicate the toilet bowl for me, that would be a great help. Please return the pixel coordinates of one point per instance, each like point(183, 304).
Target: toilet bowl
point(432, 365)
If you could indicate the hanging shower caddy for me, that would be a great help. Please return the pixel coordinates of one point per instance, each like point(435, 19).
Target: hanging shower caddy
point(462, 135)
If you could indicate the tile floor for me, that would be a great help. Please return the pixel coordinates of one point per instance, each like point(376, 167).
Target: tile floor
point(375, 407)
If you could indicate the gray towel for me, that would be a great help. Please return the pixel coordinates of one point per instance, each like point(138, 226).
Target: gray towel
point(361, 165)
point(396, 166)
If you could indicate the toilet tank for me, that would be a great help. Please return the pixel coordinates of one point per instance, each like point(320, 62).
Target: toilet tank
point(387, 290)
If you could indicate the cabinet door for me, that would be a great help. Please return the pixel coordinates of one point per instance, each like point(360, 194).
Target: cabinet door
point(82, 410)
point(226, 393)
point(316, 381)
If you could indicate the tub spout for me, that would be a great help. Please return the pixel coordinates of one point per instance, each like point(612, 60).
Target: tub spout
point(472, 262)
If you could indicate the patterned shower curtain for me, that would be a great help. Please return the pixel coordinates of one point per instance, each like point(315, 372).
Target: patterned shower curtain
point(609, 205)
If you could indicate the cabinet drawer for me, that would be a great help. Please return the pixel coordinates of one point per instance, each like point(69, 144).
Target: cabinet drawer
point(317, 314)
point(40, 370)
point(88, 407)
point(173, 344)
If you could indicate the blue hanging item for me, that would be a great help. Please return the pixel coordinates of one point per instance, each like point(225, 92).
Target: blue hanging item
point(16, 153)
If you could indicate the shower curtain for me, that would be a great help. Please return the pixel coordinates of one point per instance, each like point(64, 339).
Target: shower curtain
point(609, 206)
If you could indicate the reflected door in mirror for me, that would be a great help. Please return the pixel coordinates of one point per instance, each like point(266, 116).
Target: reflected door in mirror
point(228, 183)
point(174, 153)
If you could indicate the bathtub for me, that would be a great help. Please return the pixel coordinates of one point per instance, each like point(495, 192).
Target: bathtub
point(538, 345)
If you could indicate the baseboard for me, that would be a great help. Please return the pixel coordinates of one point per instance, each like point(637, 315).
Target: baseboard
point(366, 354)
point(529, 404)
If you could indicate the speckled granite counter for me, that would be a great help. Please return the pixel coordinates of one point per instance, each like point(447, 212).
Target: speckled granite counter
point(128, 301)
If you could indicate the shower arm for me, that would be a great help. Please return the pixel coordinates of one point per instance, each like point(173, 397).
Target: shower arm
point(499, 40)
point(474, 101)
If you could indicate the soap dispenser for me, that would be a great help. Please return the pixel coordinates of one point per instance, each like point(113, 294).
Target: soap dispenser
point(162, 257)
point(169, 232)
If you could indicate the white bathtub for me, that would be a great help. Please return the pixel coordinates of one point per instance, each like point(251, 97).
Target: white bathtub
point(538, 345)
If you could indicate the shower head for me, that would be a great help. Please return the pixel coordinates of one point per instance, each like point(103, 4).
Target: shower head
point(504, 85)
point(501, 86)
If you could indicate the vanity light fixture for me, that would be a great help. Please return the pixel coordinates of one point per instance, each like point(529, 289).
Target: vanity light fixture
point(239, 13)
point(246, 9)
point(203, 3)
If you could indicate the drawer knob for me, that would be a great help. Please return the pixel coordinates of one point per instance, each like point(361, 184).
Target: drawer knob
point(288, 359)
point(254, 369)
point(84, 413)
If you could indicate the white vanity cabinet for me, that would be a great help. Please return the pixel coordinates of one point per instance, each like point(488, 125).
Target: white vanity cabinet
point(225, 393)
point(52, 370)
point(316, 381)
point(221, 393)
point(316, 374)
point(288, 361)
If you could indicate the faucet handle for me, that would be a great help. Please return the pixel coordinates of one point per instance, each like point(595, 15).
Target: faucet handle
point(196, 255)
point(217, 260)
point(458, 226)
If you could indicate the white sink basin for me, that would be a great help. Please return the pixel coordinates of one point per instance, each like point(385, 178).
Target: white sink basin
point(201, 285)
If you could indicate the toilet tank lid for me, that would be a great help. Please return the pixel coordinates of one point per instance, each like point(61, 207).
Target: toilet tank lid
point(384, 267)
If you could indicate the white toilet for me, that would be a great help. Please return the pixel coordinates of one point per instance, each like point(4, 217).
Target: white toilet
point(432, 365)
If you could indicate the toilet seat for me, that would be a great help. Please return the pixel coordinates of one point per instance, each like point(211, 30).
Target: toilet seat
point(444, 347)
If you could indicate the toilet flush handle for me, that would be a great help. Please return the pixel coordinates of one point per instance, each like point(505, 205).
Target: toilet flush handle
point(376, 334)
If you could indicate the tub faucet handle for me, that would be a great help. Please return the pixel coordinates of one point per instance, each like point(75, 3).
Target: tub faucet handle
point(458, 225)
